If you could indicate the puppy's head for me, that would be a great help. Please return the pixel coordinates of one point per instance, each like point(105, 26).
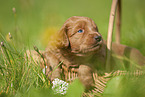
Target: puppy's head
point(81, 35)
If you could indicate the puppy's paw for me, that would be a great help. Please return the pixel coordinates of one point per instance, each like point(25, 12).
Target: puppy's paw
point(85, 75)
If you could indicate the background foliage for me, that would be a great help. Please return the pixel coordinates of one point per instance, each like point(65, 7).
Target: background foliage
point(36, 20)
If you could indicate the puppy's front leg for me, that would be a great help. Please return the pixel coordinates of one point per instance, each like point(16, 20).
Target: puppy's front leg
point(55, 69)
point(85, 75)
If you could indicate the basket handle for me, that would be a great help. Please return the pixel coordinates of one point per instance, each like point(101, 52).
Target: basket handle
point(115, 4)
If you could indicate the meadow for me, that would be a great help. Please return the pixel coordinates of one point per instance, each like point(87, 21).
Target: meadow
point(25, 23)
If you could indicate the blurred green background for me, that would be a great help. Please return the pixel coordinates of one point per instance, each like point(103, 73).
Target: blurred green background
point(36, 20)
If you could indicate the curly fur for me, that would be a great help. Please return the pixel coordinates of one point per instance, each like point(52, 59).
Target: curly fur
point(86, 51)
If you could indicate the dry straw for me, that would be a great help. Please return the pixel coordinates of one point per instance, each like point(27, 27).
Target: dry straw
point(110, 29)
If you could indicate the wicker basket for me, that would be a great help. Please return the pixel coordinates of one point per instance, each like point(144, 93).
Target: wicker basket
point(100, 81)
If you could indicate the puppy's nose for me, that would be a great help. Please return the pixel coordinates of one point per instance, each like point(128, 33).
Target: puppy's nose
point(98, 38)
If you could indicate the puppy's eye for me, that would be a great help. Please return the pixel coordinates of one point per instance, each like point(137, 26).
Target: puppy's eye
point(80, 31)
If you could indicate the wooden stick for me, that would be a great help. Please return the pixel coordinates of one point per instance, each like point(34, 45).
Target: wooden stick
point(118, 22)
point(110, 29)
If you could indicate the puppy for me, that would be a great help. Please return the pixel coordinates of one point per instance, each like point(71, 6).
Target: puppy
point(79, 43)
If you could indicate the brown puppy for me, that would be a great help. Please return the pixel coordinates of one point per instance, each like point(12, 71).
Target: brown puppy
point(80, 43)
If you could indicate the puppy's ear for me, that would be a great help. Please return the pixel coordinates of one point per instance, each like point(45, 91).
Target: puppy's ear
point(63, 36)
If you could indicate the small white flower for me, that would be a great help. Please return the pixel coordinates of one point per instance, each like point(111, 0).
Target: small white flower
point(59, 86)
point(10, 36)
point(43, 70)
point(11, 84)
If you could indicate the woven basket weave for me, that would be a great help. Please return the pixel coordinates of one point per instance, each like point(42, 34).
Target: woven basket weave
point(100, 81)
point(70, 74)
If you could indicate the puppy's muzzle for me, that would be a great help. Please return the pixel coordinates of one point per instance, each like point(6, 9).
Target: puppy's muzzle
point(98, 38)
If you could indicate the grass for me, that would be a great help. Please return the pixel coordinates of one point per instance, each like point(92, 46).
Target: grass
point(35, 21)
point(21, 77)
point(17, 73)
